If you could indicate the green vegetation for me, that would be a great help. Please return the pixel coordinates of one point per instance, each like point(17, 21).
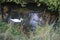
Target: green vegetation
point(53, 4)
point(9, 32)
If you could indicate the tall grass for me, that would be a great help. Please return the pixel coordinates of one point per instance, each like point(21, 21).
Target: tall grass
point(15, 33)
